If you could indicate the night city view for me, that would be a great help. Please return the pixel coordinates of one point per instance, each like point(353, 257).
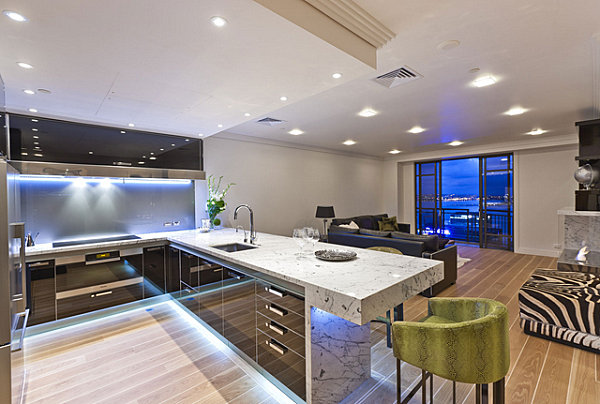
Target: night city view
point(458, 216)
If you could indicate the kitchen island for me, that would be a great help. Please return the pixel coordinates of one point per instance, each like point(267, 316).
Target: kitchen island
point(339, 298)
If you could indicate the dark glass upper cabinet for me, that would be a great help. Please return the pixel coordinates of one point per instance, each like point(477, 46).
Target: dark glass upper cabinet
point(41, 139)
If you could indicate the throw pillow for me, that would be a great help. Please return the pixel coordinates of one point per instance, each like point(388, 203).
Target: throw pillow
point(352, 225)
point(388, 224)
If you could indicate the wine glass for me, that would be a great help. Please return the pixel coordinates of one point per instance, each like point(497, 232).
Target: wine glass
point(300, 236)
point(315, 236)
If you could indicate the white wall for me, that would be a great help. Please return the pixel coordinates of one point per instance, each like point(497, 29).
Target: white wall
point(284, 185)
point(543, 184)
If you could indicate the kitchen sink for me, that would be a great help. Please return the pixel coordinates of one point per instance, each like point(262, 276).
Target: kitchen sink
point(233, 247)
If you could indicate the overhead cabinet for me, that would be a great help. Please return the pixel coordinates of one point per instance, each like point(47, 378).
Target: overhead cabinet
point(49, 140)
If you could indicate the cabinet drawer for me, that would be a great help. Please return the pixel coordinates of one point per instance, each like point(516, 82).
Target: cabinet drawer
point(281, 333)
point(79, 304)
point(280, 297)
point(281, 315)
point(284, 364)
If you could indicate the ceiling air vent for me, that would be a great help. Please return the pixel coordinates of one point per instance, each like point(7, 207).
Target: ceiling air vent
point(270, 121)
point(399, 76)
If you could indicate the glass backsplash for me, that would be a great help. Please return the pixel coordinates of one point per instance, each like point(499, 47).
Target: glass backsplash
point(62, 208)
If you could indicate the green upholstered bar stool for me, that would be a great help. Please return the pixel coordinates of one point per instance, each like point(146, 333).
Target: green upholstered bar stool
point(390, 250)
point(461, 339)
point(387, 320)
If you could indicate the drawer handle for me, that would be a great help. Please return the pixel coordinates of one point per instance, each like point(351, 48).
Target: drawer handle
point(277, 347)
point(277, 310)
point(39, 264)
point(235, 275)
point(274, 291)
point(276, 327)
point(154, 248)
point(218, 269)
point(108, 292)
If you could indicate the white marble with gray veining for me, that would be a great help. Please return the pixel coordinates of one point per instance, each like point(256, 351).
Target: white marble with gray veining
point(582, 230)
point(356, 290)
point(340, 356)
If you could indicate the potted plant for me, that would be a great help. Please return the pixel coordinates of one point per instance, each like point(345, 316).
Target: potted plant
point(216, 202)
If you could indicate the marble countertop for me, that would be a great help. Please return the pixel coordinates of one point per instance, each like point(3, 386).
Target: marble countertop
point(573, 212)
point(357, 290)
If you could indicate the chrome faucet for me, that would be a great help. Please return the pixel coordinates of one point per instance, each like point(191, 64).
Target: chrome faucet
point(252, 231)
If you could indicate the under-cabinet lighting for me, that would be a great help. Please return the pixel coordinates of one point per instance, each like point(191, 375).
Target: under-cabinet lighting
point(103, 180)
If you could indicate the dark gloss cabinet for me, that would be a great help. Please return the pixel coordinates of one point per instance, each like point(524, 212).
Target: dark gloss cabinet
point(41, 293)
point(154, 271)
point(173, 270)
point(99, 145)
point(239, 311)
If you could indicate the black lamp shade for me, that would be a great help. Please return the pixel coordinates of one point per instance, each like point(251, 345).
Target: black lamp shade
point(325, 211)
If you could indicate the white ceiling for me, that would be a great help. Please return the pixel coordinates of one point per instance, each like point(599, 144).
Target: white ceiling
point(540, 52)
point(163, 66)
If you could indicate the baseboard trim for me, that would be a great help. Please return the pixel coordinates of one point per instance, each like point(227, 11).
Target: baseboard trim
point(538, 251)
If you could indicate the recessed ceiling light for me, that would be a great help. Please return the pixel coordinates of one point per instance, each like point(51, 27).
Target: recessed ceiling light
point(447, 45)
point(349, 142)
point(295, 132)
point(152, 158)
point(33, 110)
point(38, 155)
point(394, 151)
point(131, 125)
point(536, 132)
point(455, 143)
point(172, 144)
point(90, 152)
point(336, 75)
point(283, 98)
point(29, 92)
point(246, 114)
point(34, 120)
point(368, 112)
point(187, 140)
point(36, 137)
point(13, 15)
point(416, 129)
point(24, 154)
point(36, 143)
point(218, 21)
point(34, 129)
point(122, 131)
point(515, 111)
point(141, 162)
point(484, 81)
point(24, 65)
point(220, 125)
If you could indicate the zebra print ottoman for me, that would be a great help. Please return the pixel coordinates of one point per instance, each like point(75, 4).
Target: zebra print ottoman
point(563, 307)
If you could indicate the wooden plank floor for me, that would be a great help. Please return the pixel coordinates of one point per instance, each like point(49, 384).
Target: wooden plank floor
point(140, 356)
point(156, 357)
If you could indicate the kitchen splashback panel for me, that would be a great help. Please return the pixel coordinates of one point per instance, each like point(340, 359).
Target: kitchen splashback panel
point(62, 209)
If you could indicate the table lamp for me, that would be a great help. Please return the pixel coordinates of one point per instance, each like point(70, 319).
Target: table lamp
point(325, 212)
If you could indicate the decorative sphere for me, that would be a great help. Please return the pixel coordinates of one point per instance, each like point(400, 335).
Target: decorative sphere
point(587, 175)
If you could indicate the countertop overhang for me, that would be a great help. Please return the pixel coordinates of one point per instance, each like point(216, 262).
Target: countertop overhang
point(357, 290)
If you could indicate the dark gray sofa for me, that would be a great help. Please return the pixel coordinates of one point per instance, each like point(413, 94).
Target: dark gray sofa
point(409, 244)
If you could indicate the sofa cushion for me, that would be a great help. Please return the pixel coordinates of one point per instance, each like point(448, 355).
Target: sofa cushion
point(365, 222)
point(431, 242)
point(339, 229)
point(339, 221)
point(377, 233)
point(388, 224)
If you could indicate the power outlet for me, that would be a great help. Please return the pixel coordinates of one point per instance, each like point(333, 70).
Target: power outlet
point(176, 223)
point(168, 224)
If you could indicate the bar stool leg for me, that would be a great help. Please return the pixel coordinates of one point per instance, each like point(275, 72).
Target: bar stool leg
point(498, 392)
point(453, 392)
point(484, 393)
point(398, 381)
point(478, 394)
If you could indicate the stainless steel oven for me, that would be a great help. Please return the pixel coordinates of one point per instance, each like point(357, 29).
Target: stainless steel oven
point(95, 281)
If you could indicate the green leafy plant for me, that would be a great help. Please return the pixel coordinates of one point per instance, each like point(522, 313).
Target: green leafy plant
point(216, 202)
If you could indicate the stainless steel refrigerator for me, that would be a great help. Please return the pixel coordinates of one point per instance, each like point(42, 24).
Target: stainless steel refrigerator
point(13, 299)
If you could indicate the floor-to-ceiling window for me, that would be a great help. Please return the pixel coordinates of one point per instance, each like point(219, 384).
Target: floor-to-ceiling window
point(467, 199)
